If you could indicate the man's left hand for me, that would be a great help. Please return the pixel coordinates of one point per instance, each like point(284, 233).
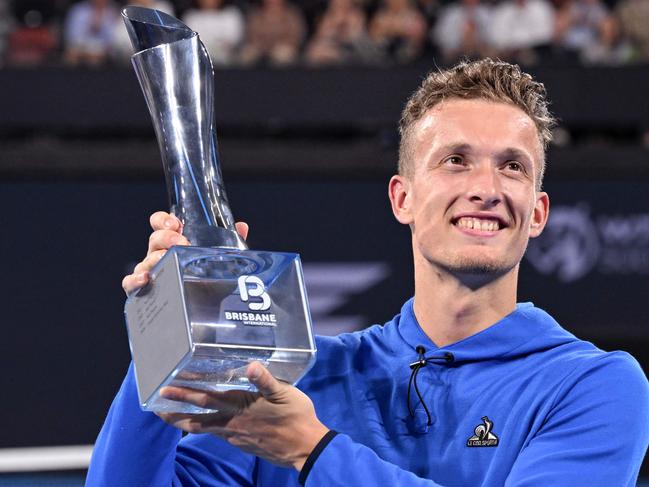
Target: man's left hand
point(277, 423)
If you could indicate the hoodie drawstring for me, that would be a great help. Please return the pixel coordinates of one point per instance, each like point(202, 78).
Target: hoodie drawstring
point(416, 367)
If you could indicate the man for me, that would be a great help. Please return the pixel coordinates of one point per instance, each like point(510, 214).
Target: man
point(464, 386)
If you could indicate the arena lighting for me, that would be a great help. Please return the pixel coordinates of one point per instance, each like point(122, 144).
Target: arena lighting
point(51, 458)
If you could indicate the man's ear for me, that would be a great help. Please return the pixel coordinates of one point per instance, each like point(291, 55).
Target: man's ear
point(400, 198)
point(540, 215)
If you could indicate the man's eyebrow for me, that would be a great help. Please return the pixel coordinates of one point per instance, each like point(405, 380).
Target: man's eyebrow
point(456, 147)
point(514, 153)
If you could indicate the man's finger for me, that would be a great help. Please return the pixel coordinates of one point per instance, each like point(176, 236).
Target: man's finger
point(242, 229)
point(200, 423)
point(188, 424)
point(161, 220)
point(218, 401)
point(191, 396)
point(262, 379)
point(173, 418)
point(165, 239)
point(133, 282)
point(226, 406)
point(149, 261)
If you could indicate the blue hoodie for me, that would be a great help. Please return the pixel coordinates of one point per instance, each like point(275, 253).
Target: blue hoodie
point(522, 403)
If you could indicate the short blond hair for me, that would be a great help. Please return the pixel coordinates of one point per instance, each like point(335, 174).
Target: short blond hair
point(484, 79)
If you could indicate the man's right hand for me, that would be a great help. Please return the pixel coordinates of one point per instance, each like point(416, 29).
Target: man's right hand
point(167, 232)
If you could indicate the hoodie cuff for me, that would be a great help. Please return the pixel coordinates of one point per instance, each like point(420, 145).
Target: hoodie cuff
point(308, 465)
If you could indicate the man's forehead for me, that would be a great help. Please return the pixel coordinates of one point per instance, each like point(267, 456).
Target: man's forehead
point(478, 124)
point(475, 114)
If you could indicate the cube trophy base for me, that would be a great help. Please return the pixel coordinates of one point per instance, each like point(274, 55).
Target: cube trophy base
point(208, 312)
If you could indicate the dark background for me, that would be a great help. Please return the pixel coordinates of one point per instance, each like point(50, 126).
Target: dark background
point(306, 157)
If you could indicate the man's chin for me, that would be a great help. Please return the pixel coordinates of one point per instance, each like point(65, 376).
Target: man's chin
point(469, 265)
point(479, 267)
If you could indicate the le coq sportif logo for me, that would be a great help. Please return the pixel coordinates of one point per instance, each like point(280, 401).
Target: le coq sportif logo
point(483, 434)
point(253, 287)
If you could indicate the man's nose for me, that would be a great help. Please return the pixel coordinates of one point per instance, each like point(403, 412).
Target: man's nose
point(484, 186)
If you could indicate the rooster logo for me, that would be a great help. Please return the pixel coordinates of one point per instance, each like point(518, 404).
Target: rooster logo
point(483, 436)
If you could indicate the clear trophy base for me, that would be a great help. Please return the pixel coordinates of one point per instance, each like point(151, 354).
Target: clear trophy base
point(209, 312)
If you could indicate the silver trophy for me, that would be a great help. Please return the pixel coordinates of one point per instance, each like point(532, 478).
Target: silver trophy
point(212, 308)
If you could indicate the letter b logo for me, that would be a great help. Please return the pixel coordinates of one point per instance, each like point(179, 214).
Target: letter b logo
point(256, 291)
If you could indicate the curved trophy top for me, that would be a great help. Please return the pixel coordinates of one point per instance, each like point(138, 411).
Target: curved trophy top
point(149, 28)
point(176, 76)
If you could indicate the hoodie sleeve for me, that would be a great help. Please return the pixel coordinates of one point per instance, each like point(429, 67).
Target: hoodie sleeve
point(342, 462)
point(136, 447)
point(596, 433)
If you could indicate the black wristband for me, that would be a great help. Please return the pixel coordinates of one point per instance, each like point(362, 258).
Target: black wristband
point(313, 456)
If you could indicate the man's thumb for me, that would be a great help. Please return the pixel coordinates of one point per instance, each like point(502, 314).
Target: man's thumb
point(264, 381)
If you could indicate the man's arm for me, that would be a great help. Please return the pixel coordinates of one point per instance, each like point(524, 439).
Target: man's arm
point(133, 447)
point(280, 425)
point(342, 462)
point(137, 448)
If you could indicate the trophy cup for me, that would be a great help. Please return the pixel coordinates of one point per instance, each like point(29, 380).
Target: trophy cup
point(212, 308)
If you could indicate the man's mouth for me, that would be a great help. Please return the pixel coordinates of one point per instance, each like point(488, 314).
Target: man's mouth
point(481, 224)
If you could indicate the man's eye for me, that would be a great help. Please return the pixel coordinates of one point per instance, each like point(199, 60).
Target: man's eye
point(514, 166)
point(454, 160)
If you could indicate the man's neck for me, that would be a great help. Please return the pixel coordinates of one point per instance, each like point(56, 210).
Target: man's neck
point(449, 310)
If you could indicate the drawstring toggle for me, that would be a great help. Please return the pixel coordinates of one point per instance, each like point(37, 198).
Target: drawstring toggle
point(416, 366)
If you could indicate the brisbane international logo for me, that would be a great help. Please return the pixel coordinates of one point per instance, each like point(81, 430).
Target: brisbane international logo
point(258, 290)
point(253, 292)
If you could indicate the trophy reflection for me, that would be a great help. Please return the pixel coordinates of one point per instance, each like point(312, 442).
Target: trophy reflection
point(212, 308)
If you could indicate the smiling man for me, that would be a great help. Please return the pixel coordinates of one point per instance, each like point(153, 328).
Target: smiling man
point(464, 386)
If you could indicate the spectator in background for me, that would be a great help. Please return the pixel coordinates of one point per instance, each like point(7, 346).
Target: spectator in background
point(586, 28)
point(35, 40)
point(634, 22)
point(399, 30)
point(89, 30)
point(274, 34)
point(462, 30)
point(221, 29)
point(340, 36)
point(519, 29)
point(121, 48)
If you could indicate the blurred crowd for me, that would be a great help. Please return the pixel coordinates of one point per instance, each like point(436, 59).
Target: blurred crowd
point(338, 32)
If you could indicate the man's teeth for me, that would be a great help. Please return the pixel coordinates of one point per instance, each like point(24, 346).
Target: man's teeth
point(478, 224)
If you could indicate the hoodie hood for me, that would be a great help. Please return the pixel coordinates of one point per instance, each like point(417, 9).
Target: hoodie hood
point(524, 331)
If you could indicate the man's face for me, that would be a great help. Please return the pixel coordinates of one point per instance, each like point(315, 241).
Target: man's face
point(470, 198)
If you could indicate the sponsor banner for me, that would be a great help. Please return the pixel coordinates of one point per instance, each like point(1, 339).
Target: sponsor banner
point(578, 242)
